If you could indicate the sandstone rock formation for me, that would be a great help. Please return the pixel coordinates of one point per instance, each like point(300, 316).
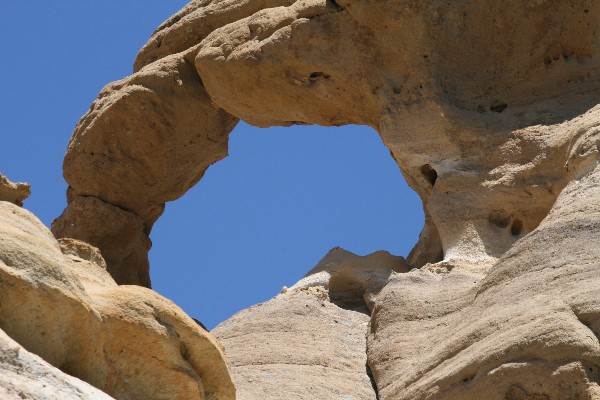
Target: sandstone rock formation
point(125, 340)
point(529, 329)
point(26, 376)
point(310, 342)
point(13, 192)
point(490, 110)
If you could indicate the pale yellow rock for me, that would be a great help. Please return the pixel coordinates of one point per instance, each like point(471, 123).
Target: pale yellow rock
point(13, 192)
point(530, 326)
point(310, 342)
point(127, 341)
point(491, 110)
point(24, 375)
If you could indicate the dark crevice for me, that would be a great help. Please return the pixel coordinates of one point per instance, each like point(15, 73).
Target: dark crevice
point(429, 173)
point(373, 383)
point(109, 203)
point(498, 107)
point(335, 5)
point(517, 227)
point(350, 300)
point(184, 351)
point(315, 76)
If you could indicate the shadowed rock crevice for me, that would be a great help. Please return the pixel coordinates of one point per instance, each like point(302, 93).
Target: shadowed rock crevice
point(373, 383)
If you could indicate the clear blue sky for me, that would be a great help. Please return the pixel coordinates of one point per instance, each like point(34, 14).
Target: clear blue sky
point(258, 220)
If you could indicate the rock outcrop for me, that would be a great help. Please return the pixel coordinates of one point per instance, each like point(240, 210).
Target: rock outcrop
point(125, 340)
point(491, 110)
point(26, 376)
point(309, 342)
point(529, 329)
point(13, 192)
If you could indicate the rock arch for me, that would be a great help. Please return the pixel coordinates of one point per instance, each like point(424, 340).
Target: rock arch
point(490, 110)
point(452, 92)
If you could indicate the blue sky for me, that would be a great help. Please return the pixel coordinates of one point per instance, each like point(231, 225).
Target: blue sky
point(258, 220)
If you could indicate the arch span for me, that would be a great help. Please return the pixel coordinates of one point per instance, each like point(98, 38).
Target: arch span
point(451, 115)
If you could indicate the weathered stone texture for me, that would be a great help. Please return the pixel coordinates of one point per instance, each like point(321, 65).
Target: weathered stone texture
point(125, 340)
point(13, 192)
point(491, 111)
point(309, 342)
point(25, 376)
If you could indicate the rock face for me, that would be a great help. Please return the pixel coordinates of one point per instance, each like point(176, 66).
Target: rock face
point(125, 340)
point(310, 341)
point(529, 329)
point(490, 110)
point(26, 376)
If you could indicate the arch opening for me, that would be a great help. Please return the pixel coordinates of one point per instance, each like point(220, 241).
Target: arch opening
point(264, 216)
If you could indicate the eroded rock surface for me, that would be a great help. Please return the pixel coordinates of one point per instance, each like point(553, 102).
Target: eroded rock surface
point(531, 325)
point(468, 96)
point(123, 166)
point(309, 342)
point(125, 340)
point(490, 110)
point(13, 192)
point(25, 376)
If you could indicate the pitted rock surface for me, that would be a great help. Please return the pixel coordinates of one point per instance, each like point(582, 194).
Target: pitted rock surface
point(491, 110)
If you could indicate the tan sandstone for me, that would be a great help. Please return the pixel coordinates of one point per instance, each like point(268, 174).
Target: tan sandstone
point(127, 341)
point(309, 342)
point(13, 192)
point(25, 376)
point(491, 111)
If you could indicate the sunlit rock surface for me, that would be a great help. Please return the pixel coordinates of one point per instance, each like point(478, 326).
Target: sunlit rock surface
point(490, 110)
point(58, 301)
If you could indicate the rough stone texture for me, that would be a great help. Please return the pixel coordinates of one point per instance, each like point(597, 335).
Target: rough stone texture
point(122, 167)
point(13, 192)
point(465, 95)
point(125, 340)
point(531, 327)
point(309, 342)
point(489, 108)
point(25, 376)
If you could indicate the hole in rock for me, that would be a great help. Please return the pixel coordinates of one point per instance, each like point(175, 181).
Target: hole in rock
point(263, 217)
point(429, 173)
point(315, 76)
point(335, 4)
point(498, 106)
point(517, 227)
point(500, 218)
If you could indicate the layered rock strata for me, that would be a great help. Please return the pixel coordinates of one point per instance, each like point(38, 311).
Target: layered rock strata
point(529, 329)
point(490, 110)
point(309, 342)
point(58, 301)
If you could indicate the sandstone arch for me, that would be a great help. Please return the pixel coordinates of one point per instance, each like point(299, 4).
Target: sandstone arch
point(489, 108)
point(151, 136)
